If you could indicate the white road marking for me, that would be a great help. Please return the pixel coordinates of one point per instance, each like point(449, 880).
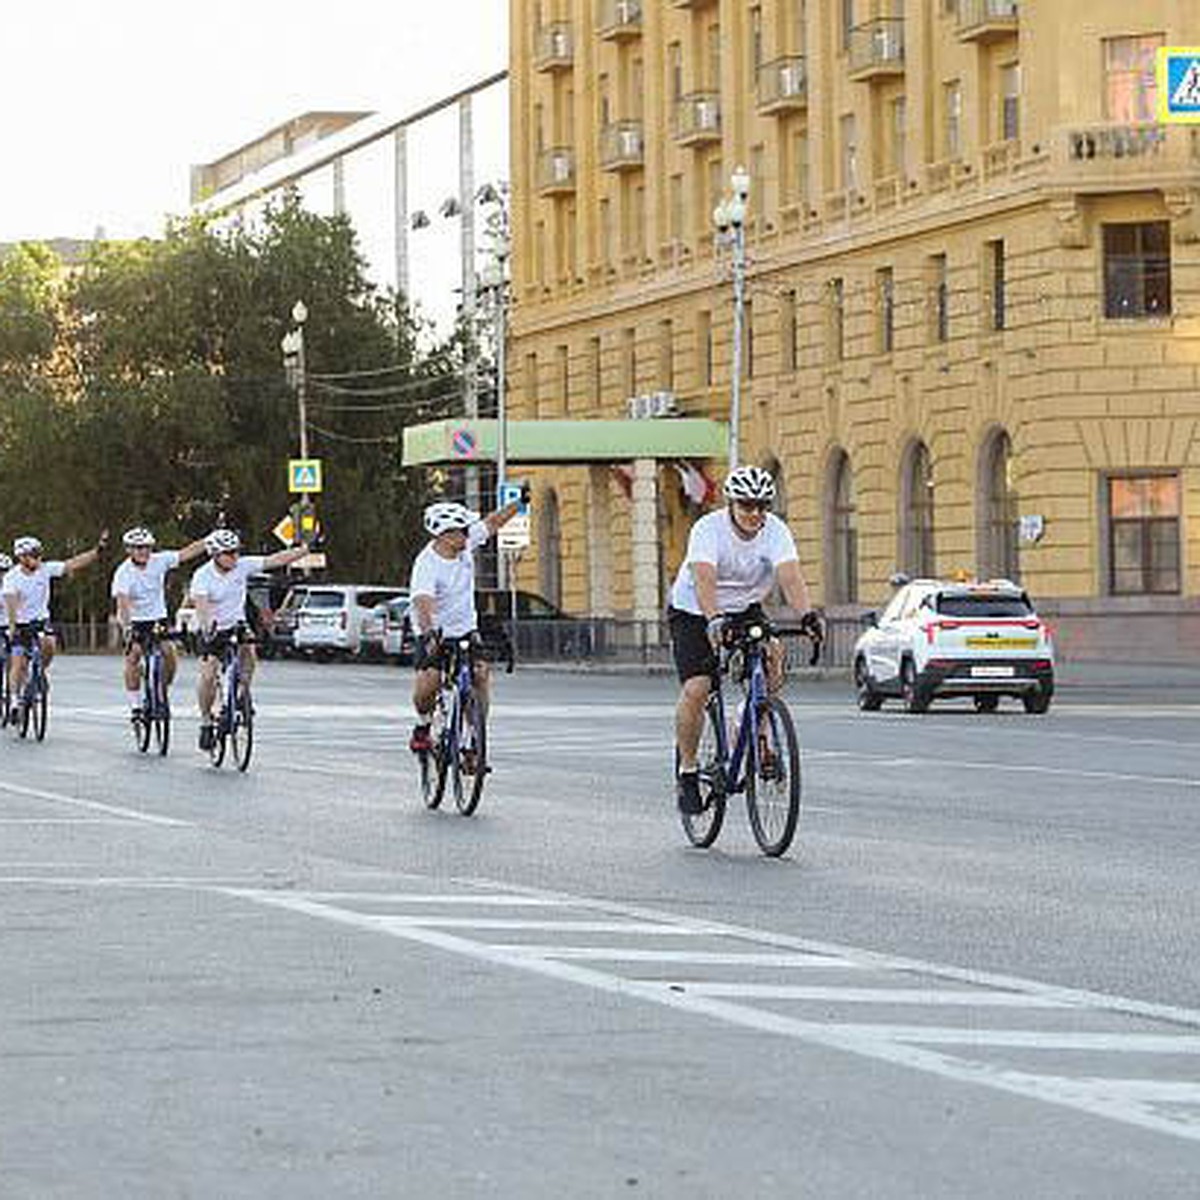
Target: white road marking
point(896, 1044)
point(64, 820)
point(861, 995)
point(390, 922)
point(486, 898)
point(114, 810)
point(700, 958)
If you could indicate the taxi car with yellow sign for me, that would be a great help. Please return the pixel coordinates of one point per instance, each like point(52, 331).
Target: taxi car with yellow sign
point(935, 640)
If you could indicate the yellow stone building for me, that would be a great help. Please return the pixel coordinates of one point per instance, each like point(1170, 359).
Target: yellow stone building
point(973, 301)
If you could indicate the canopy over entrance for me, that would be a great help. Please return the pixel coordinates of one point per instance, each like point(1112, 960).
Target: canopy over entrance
point(462, 441)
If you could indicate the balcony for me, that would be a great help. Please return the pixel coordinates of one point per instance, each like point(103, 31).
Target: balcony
point(1125, 157)
point(783, 85)
point(556, 171)
point(986, 20)
point(619, 20)
point(877, 49)
point(554, 47)
point(622, 146)
point(698, 118)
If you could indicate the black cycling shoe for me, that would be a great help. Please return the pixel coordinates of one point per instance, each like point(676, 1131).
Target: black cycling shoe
point(207, 737)
point(688, 793)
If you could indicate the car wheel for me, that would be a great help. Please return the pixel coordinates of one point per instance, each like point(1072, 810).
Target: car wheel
point(869, 700)
point(1037, 702)
point(916, 696)
point(987, 703)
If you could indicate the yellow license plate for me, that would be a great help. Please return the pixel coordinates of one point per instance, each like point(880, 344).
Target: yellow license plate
point(1001, 643)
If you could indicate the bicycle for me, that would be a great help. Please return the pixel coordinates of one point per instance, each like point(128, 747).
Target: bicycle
point(33, 706)
point(234, 726)
point(5, 654)
point(763, 761)
point(458, 730)
point(154, 716)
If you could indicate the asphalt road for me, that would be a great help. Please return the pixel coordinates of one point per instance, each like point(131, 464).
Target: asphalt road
point(974, 976)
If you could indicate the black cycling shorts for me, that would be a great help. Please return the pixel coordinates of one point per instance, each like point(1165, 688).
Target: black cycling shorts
point(140, 633)
point(22, 636)
point(434, 654)
point(693, 651)
point(214, 645)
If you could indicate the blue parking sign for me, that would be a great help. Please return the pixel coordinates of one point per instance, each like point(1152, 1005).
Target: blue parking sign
point(510, 493)
point(1178, 79)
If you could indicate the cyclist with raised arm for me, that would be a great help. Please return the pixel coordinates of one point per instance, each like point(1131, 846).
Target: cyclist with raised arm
point(219, 591)
point(734, 558)
point(139, 588)
point(442, 591)
point(26, 591)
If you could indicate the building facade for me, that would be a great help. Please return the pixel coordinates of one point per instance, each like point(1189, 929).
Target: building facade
point(973, 308)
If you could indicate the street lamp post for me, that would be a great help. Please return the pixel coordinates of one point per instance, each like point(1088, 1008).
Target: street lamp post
point(729, 216)
point(293, 361)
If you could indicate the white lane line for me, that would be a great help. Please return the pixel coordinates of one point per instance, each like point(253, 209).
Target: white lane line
point(861, 995)
point(700, 958)
point(64, 821)
point(114, 810)
point(438, 898)
point(1030, 1039)
point(1162, 1091)
point(388, 921)
point(848, 1038)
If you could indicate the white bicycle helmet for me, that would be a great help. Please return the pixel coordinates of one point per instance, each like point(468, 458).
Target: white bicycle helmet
point(26, 545)
point(137, 537)
point(750, 483)
point(445, 516)
point(220, 541)
point(5, 562)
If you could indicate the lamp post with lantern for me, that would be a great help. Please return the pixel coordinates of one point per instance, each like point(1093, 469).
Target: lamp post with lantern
point(729, 217)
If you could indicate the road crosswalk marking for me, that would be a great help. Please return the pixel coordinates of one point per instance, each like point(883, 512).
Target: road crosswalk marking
point(1080, 1021)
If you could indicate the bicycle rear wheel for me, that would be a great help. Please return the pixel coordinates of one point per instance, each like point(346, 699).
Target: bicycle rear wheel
point(438, 759)
point(703, 827)
point(41, 708)
point(472, 756)
point(773, 780)
point(241, 734)
point(141, 725)
point(4, 695)
point(216, 752)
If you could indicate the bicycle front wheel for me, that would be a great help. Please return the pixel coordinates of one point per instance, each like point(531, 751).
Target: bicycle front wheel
point(216, 752)
point(773, 780)
point(703, 827)
point(435, 766)
point(241, 734)
point(141, 725)
point(472, 756)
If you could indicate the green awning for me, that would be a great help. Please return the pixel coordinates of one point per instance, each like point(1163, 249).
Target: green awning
point(464, 440)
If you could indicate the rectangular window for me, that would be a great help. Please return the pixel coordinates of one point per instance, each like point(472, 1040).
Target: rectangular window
point(606, 232)
point(675, 208)
point(756, 41)
point(1130, 90)
point(704, 350)
point(799, 26)
point(639, 221)
point(835, 303)
point(1137, 270)
point(1143, 515)
point(899, 138)
point(666, 355)
point(539, 253)
point(604, 103)
point(1010, 102)
point(788, 331)
point(994, 284)
point(758, 180)
point(847, 23)
point(885, 309)
point(952, 120)
point(596, 381)
point(562, 355)
point(939, 298)
point(629, 362)
point(531, 379)
point(800, 167)
point(674, 72)
point(713, 63)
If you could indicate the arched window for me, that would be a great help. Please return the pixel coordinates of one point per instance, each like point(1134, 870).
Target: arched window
point(916, 512)
point(841, 531)
point(550, 548)
point(996, 508)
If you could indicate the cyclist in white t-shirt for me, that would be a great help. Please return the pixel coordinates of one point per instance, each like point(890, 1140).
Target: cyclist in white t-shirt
point(219, 590)
point(139, 588)
point(734, 558)
point(442, 587)
point(26, 591)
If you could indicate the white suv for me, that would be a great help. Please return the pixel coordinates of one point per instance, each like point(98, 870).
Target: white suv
point(330, 617)
point(934, 639)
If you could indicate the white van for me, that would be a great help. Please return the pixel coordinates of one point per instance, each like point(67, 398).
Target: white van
point(330, 619)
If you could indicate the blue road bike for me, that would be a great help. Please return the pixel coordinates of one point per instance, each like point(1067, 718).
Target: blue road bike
point(5, 653)
point(33, 704)
point(233, 730)
point(154, 717)
point(758, 755)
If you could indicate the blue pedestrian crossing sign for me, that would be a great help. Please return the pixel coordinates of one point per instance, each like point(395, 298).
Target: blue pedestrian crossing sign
point(1178, 79)
point(304, 475)
point(510, 493)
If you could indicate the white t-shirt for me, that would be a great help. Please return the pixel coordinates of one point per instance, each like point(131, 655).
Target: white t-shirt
point(144, 585)
point(225, 590)
point(450, 582)
point(32, 589)
point(745, 568)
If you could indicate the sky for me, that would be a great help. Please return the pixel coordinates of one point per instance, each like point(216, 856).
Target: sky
point(108, 103)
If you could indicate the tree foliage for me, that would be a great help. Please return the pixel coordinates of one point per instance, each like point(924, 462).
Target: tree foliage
point(148, 387)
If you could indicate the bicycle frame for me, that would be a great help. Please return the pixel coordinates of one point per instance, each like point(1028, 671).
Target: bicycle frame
point(230, 679)
point(733, 776)
point(459, 676)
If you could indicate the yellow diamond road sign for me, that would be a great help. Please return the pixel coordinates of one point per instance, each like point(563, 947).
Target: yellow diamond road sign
point(304, 474)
